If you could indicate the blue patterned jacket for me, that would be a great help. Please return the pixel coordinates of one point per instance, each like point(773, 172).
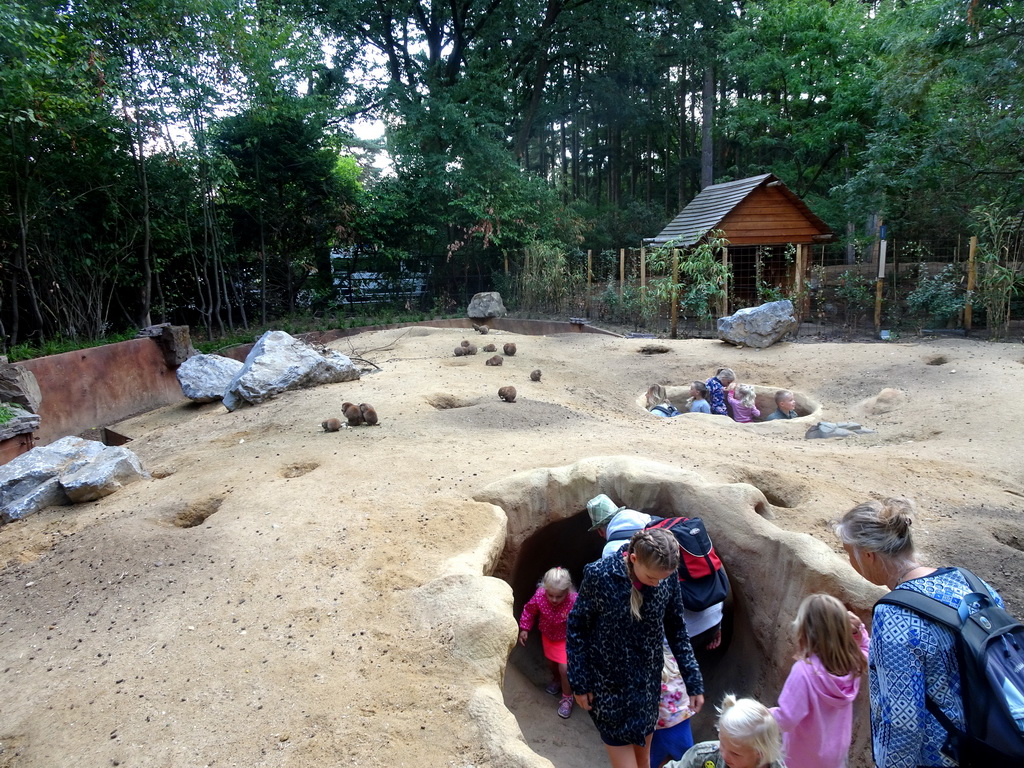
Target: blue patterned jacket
point(910, 657)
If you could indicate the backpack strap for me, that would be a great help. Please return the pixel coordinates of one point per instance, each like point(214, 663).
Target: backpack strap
point(929, 607)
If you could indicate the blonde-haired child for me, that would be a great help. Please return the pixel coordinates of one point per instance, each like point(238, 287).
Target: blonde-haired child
point(748, 737)
point(551, 603)
point(815, 708)
point(742, 404)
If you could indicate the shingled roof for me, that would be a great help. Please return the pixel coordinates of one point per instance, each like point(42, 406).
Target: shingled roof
point(709, 208)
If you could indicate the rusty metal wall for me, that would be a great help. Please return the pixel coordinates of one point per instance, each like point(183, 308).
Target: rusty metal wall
point(92, 388)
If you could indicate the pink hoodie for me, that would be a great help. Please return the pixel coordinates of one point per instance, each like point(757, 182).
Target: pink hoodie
point(815, 713)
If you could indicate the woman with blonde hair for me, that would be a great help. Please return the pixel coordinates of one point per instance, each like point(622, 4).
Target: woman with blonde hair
point(748, 737)
point(913, 667)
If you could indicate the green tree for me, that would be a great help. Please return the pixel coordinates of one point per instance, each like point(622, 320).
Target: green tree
point(949, 123)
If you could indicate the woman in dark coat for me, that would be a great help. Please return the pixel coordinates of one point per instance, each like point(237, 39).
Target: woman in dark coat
point(626, 605)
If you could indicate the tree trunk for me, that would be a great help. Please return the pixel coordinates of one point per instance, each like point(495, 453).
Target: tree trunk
point(707, 166)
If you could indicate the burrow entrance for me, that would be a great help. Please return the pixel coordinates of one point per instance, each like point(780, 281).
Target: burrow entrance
point(764, 399)
point(770, 572)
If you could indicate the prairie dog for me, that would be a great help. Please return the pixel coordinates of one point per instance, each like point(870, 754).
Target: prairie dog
point(496, 360)
point(490, 348)
point(471, 349)
point(508, 394)
point(460, 351)
point(480, 328)
point(464, 343)
point(368, 413)
point(331, 425)
point(535, 375)
point(510, 349)
point(353, 414)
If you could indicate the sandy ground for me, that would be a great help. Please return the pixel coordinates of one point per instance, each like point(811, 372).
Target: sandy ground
point(276, 595)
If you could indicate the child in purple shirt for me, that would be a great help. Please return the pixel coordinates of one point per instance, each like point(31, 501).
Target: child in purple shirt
point(742, 404)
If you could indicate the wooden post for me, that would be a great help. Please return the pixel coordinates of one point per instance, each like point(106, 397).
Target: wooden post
point(506, 263)
point(622, 272)
point(590, 276)
point(972, 276)
point(675, 294)
point(723, 305)
point(880, 281)
point(643, 272)
point(798, 279)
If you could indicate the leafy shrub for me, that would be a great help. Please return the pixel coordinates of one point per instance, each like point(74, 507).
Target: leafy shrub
point(937, 298)
point(856, 293)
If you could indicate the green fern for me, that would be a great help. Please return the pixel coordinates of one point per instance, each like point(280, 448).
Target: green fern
point(6, 412)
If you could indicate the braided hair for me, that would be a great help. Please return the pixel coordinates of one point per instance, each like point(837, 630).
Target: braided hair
point(654, 549)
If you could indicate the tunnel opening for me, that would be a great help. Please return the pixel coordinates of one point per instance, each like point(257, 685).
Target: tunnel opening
point(770, 572)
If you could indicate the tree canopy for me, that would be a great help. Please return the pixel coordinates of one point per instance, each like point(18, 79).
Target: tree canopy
point(199, 162)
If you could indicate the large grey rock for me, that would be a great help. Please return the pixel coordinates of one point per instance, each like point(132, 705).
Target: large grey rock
point(758, 327)
point(279, 362)
point(19, 385)
point(19, 424)
point(114, 468)
point(41, 477)
point(486, 304)
point(205, 378)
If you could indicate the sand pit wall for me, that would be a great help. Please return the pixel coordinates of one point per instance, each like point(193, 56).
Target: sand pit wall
point(770, 570)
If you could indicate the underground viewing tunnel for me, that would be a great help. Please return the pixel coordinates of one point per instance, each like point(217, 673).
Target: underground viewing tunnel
point(770, 571)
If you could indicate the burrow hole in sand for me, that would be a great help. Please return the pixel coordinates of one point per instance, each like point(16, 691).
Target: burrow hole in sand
point(444, 401)
point(939, 360)
point(764, 400)
point(549, 526)
point(197, 512)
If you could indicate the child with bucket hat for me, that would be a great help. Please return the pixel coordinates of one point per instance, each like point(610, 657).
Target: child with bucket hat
point(614, 523)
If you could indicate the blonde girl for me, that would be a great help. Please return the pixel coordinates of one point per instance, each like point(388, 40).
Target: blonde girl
point(551, 603)
point(748, 737)
point(627, 603)
point(742, 404)
point(815, 709)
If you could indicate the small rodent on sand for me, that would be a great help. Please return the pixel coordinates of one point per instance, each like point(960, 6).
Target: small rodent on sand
point(353, 414)
point(369, 414)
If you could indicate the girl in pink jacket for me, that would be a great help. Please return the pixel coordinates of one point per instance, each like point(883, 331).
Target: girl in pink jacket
point(815, 709)
point(551, 604)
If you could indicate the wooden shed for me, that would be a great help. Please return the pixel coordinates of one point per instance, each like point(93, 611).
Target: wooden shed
point(768, 228)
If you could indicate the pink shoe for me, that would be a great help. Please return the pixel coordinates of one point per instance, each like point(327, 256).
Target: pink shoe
point(565, 707)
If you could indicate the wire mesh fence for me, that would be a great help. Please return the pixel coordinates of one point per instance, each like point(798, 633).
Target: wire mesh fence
point(925, 285)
